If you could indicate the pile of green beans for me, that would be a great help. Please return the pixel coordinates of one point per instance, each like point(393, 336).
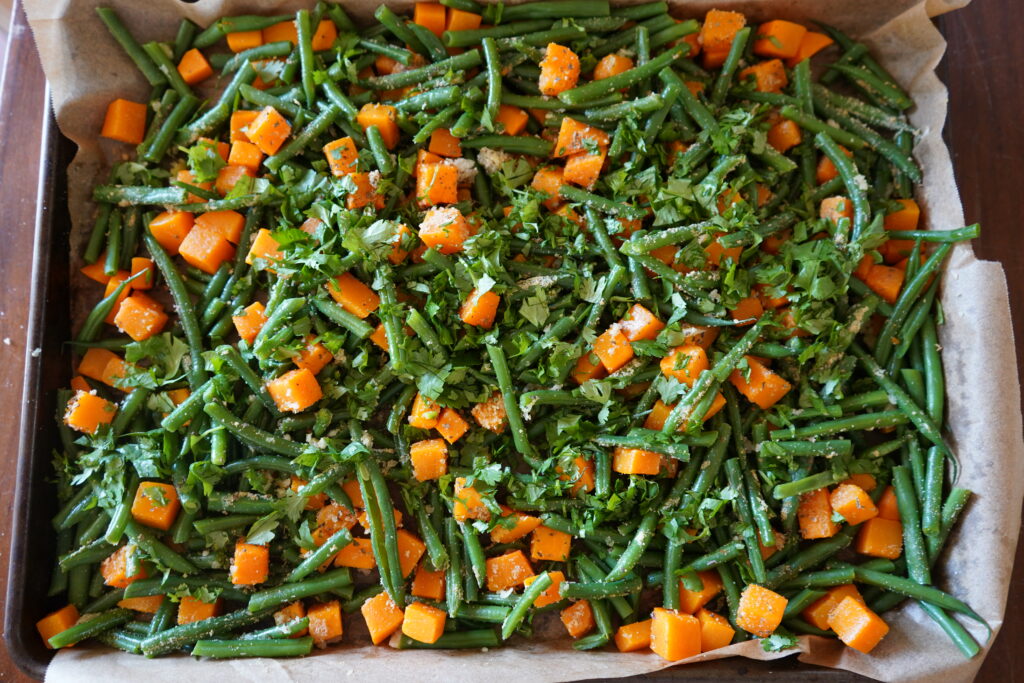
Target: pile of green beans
point(694, 221)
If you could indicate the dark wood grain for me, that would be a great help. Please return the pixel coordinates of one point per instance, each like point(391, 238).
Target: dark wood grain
point(984, 133)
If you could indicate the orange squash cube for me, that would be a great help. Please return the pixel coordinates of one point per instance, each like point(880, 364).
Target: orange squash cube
point(588, 367)
point(559, 70)
point(295, 391)
point(268, 131)
point(759, 384)
point(431, 16)
point(384, 116)
point(57, 622)
point(358, 555)
point(342, 156)
point(264, 247)
point(194, 68)
point(575, 137)
point(429, 459)
point(583, 476)
point(205, 249)
point(779, 38)
point(114, 568)
point(170, 228)
point(451, 425)
point(548, 180)
point(444, 228)
point(634, 637)
point(760, 610)
point(156, 505)
point(817, 613)
point(280, 32)
point(468, 503)
point(857, 626)
point(251, 564)
point(444, 144)
point(719, 29)
point(324, 36)
point(715, 631)
point(784, 135)
point(245, 154)
point(424, 623)
point(853, 503)
point(814, 515)
point(479, 309)
point(887, 506)
point(191, 610)
point(880, 537)
point(550, 595)
point(383, 617)
point(578, 618)
point(507, 571)
point(428, 584)
point(584, 168)
point(125, 121)
point(86, 412)
point(685, 363)
point(691, 601)
point(140, 317)
point(252, 320)
point(674, 635)
point(354, 296)
point(547, 544)
point(325, 623)
point(812, 43)
point(314, 357)
point(147, 605)
point(424, 413)
point(613, 348)
point(436, 184)
point(239, 41)
point(769, 76)
point(512, 120)
point(640, 324)
point(635, 461)
point(513, 525)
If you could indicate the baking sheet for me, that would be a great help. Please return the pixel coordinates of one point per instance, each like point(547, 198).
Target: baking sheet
point(86, 69)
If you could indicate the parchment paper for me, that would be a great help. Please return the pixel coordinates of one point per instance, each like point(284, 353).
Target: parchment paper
point(86, 69)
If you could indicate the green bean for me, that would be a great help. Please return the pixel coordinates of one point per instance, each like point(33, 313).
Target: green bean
point(128, 409)
point(800, 449)
point(515, 144)
point(625, 79)
point(724, 80)
point(271, 598)
point(385, 163)
point(223, 523)
point(469, 38)
point(515, 617)
point(453, 574)
point(636, 547)
point(969, 232)
point(802, 601)
point(157, 551)
point(590, 590)
point(811, 556)
point(220, 112)
point(819, 127)
point(935, 389)
point(912, 589)
point(853, 182)
point(253, 436)
point(472, 639)
point(285, 630)
point(157, 56)
point(494, 614)
point(90, 628)
point(875, 85)
point(806, 484)
point(866, 421)
point(821, 579)
point(466, 60)
point(315, 559)
point(493, 69)
point(574, 194)
point(307, 62)
point(313, 129)
point(514, 416)
point(94, 322)
point(177, 637)
point(131, 47)
point(223, 649)
point(913, 542)
point(338, 315)
point(931, 515)
point(281, 48)
point(951, 510)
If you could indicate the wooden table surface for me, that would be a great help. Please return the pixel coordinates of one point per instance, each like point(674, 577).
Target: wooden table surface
point(984, 132)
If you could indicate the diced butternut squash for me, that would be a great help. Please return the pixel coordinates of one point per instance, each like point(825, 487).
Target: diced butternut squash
point(719, 29)
point(507, 571)
point(887, 506)
point(760, 610)
point(479, 309)
point(342, 156)
point(575, 137)
point(294, 391)
point(358, 555)
point(559, 70)
point(512, 120)
point(578, 618)
point(812, 44)
point(436, 184)
point(635, 461)
point(325, 623)
point(513, 525)
point(57, 622)
point(170, 229)
point(384, 116)
point(239, 125)
point(584, 168)
point(143, 273)
point(86, 412)
point(674, 635)
point(550, 595)
point(115, 567)
point(880, 537)
point(191, 610)
point(885, 281)
point(125, 121)
point(814, 515)
point(857, 626)
point(140, 317)
point(691, 601)
point(779, 38)
point(425, 413)
point(156, 505)
point(460, 20)
point(817, 613)
point(548, 180)
point(383, 617)
point(431, 16)
point(715, 631)
point(250, 565)
point(634, 637)
point(229, 176)
point(769, 76)
point(424, 623)
point(445, 229)
point(444, 144)
point(685, 363)
point(194, 68)
point(206, 249)
point(239, 41)
point(264, 247)
point(551, 545)
point(588, 367)
point(281, 32)
point(147, 604)
point(748, 310)
point(324, 36)
point(491, 413)
point(269, 130)
point(246, 154)
point(612, 65)
point(613, 348)
point(468, 503)
point(429, 459)
point(784, 135)
point(853, 503)
point(289, 613)
point(428, 584)
point(314, 357)
point(582, 476)
point(759, 384)
point(249, 324)
point(835, 209)
point(639, 324)
point(79, 383)
point(451, 425)
point(354, 296)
